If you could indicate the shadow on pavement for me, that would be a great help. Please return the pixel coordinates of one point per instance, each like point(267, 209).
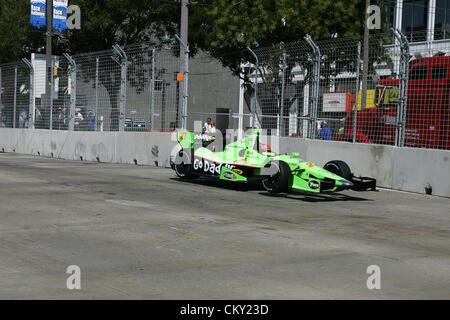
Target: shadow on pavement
point(218, 184)
point(308, 197)
point(252, 186)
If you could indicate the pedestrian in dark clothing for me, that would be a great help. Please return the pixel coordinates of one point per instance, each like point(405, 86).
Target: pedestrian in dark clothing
point(90, 121)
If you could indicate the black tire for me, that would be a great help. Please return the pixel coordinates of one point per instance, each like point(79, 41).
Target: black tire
point(340, 168)
point(280, 181)
point(182, 170)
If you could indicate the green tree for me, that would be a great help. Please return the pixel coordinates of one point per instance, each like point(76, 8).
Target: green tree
point(124, 22)
point(229, 27)
point(104, 23)
point(222, 28)
point(16, 37)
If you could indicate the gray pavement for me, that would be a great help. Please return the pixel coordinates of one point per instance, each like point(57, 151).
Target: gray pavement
point(140, 233)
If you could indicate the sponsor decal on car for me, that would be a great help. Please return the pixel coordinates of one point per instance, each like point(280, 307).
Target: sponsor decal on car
point(314, 185)
point(229, 175)
point(209, 167)
point(238, 171)
point(204, 137)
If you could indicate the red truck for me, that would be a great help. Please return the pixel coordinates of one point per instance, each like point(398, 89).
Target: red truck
point(427, 108)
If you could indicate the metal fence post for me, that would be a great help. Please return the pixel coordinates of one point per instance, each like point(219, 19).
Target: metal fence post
point(73, 86)
point(403, 88)
point(123, 85)
point(358, 71)
point(186, 82)
point(32, 106)
point(15, 96)
point(152, 108)
point(52, 82)
point(97, 60)
point(314, 97)
point(255, 88)
point(283, 86)
point(1, 91)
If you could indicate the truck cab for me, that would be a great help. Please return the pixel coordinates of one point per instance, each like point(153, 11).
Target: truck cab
point(427, 108)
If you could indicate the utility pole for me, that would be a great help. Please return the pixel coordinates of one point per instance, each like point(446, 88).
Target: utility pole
point(366, 57)
point(48, 56)
point(184, 39)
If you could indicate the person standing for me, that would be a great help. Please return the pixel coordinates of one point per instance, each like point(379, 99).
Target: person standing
point(325, 132)
point(207, 125)
point(212, 129)
point(90, 120)
point(78, 120)
point(22, 118)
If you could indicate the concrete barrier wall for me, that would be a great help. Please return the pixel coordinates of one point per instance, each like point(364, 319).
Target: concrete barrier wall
point(404, 169)
point(116, 147)
point(413, 169)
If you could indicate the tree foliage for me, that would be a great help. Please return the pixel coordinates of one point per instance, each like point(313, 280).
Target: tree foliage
point(16, 37)
point(104, 23)
point(230, 26)
point(222, 28)
point(123, 22)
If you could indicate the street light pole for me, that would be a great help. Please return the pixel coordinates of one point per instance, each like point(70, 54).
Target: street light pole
point(183, 43)
point(48, 56)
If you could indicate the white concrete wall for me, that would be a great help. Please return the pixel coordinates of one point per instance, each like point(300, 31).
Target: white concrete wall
point(116, 147)
point(406, 169)
point(414, 168)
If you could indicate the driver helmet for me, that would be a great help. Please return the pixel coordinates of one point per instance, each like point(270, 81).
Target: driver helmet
point(265, 147)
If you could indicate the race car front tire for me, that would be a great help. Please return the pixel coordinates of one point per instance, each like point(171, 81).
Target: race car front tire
point(280, 181)
point(340, 168)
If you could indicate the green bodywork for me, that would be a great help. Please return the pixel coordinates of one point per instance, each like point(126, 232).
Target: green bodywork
point(305, 174)
point(245, 154)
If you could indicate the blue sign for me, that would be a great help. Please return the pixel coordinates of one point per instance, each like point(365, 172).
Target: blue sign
point(60, 15)
point(38, 14)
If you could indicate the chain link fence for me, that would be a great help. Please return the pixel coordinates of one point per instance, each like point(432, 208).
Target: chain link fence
point(308, 89)
point(319, 90)
point(15, 95)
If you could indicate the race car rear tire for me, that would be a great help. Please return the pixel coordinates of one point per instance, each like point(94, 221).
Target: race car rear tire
point(182, 170)
point(280, 181)
point(340, 168)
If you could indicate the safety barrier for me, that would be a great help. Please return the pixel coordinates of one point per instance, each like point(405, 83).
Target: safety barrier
point(407, 169)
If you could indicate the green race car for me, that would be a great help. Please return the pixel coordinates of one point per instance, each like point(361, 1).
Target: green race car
point(248, 159)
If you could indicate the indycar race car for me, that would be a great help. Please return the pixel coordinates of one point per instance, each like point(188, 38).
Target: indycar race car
point(248, 159)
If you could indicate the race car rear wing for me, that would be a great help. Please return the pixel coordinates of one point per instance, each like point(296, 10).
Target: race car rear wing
point(186, 139)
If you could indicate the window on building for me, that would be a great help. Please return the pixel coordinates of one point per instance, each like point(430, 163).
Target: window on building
point(414, 20)
point(390, 15)
point(439, 73)
point(418, 73)
point(442, 20)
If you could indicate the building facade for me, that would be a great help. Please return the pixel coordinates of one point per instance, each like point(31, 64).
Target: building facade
point(426, 23)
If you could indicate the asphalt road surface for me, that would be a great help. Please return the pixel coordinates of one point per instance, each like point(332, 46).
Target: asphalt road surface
point(141, 233)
